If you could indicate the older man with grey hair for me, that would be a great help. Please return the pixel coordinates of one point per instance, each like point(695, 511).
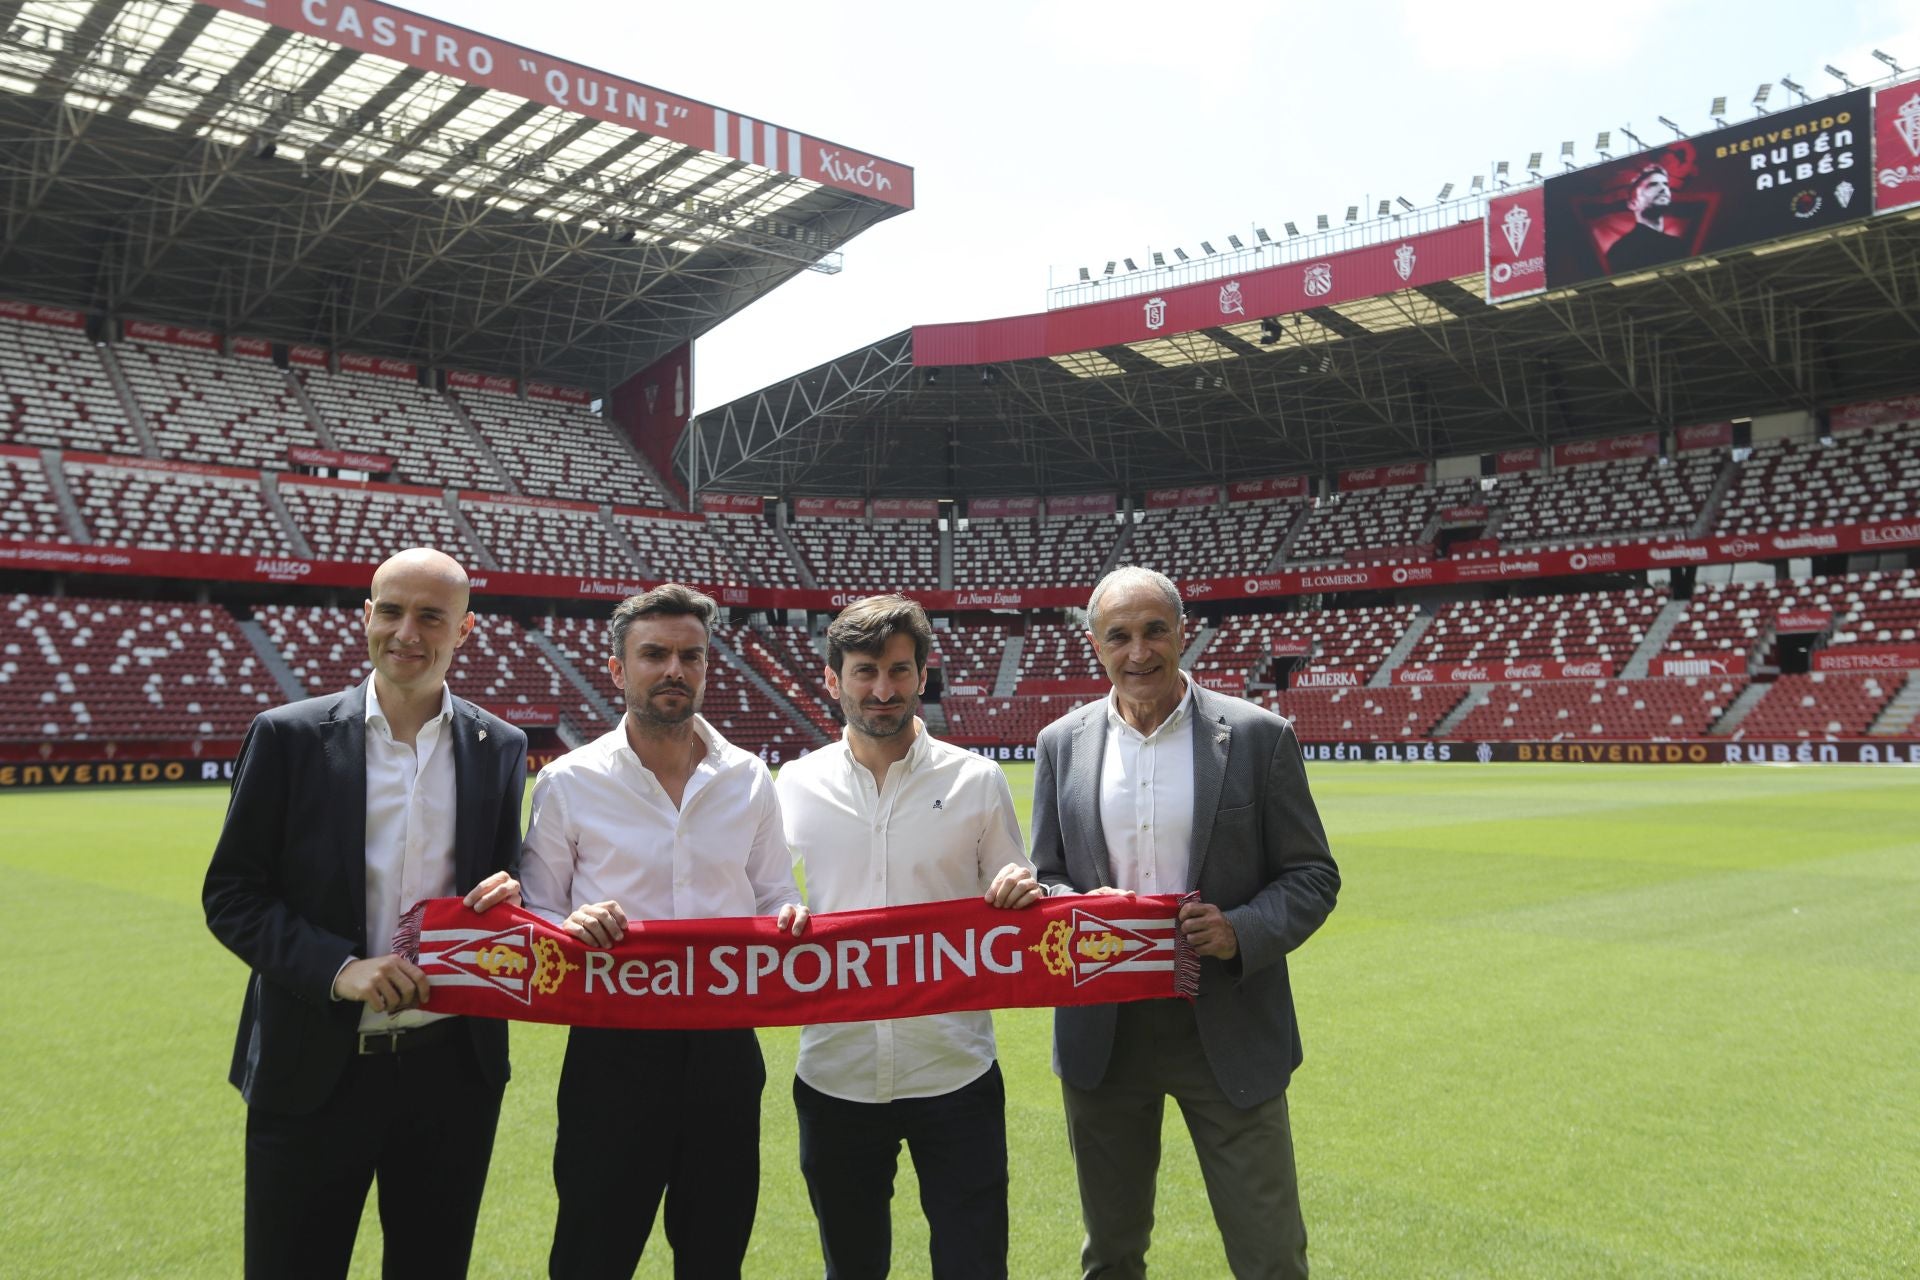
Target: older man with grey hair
point(1166, 787)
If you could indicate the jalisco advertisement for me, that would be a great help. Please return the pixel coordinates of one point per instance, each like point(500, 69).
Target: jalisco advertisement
point(445, 49)
point(1896, 147)
point(1798, 170)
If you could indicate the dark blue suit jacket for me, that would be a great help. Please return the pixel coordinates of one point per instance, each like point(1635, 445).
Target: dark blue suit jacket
point(286, 890)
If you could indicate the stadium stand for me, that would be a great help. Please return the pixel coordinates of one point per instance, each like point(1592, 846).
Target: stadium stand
point(526, 538)
point(1211, 542)
point(1015, 720)
point(1867, 608)
point(1634, 497)
point(415, 427)
point(28, 511)
point(1607, 625)
point(203, 407)
point(803, 691)
point(1646, 709)
point(87, 669)
point(54, 391)
point(681, 550)
point(750, 543)
point(556, 451)
point(344, 521)
point(1343, 639)
point(1375, 518)
point(1373, 715)
point(971, 655)
point(1819, 705)
point(870, 555)
point(1856, 478)
point(1054, 551)
point(1058, 651)
point(139, 504)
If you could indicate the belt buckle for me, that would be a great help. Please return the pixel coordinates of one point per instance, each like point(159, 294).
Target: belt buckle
point(380, 1042)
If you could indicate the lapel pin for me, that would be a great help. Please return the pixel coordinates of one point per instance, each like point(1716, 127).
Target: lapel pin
point(483, 735)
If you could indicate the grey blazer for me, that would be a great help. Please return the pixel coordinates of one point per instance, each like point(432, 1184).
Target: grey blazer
point(1259, 853)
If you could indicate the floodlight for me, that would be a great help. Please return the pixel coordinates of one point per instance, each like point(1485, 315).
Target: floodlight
point(1404, 203)
point(1235, 242)
point(1633, 137)
point(1085, 275)
point(1678, 132)
point(1109, 268)
point(1719, 107)
point(1760, 96)
point(1478, 185)
point(1888, 59)
point(1260, 234)
point(1839, 75)
point(1566, 148)
point(1180, 253)
point(1353, 213)
point(1533, 160)
point(1500, 169)
point(1446, 193)
point(1159, 258)
point(1206, 247)
point(1319, 222)
point(1386, 207)
point(1129, 262)
point(1786, 82)
point(1291, 230)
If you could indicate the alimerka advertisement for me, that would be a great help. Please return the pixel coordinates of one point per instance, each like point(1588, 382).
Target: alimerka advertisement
point(1797, 170)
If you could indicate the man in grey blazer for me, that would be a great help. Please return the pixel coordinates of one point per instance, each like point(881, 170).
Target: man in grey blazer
point(1165, 787)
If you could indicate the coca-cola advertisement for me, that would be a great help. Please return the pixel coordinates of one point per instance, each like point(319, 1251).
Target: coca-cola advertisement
point(34, 313)
point(739, 503)
point(1509, 461)
point(1083, 504)
point(171, 335)
point(381, 367)
point(822, 508)
point(1003, 508)
point(905, 508)
point(1706, 435)
point(1396, 476)
point(1517, 671)
point(498, 384)
point(1874, 413)
point(1274, 487)
point(340, 459)
point(1645, 444)
point(1202, 495)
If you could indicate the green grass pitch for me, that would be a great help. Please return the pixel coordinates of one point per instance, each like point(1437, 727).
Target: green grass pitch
point(1567, 1021)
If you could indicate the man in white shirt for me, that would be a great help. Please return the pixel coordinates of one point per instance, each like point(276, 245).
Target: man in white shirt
point(1166, 787)
point(661, 819)
point(346, 810)
point(889, 816)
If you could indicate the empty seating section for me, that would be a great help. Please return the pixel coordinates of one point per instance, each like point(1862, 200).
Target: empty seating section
point(1607, 625)
point(1338, 639)
point(324, 647)
point(554, 540)
point(971, 655)
point(1867, 608)
point(368, 525)
point(870, 555)
point(1820, 705)
point(54, 392)
point(1644, 709)
point(138, 506)
point(1876, 608)
point(28, 510)
point(1372, 715)
point(681, 551)
point(1643, 496)
point(1060, 551)
point(1058, 651)
point(203, 407)
point(556, 451)
point(755, 546)
point(1011, 721)
point(85, 669)
point(1211, 542)
point(412, 425)
point(1368, 518)
point(1863, 476)
point(1724, 620)
point(805, 690)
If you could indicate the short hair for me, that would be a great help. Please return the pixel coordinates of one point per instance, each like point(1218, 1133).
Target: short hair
point(866, 626)
point(1129, 575)
point(668, 600)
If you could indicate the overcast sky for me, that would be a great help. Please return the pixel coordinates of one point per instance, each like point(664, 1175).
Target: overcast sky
point(1052, 135)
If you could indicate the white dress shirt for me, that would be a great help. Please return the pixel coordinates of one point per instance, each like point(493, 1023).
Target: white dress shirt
point(941, 828)
point(605, 830)
point(1146, 800)
point(410, 828)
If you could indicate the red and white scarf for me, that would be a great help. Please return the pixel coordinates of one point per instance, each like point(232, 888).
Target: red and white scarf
point(896, 962)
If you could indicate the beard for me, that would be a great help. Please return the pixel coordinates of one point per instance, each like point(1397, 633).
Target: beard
point(860, 719)
point(651, 715)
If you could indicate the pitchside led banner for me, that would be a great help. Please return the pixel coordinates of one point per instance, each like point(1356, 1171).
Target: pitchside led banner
point(1797, 170)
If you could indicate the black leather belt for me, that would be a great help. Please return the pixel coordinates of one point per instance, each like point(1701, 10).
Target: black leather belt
point(401, 1039)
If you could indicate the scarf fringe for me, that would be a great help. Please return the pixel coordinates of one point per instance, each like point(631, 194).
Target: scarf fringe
point(406, 935)
point(1186, 974)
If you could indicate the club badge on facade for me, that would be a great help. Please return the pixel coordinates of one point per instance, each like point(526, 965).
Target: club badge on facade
point(1516, 225)
point(1317, 280)
point(1906, 121)
point(1089, 946)
point(1156, 312)
point(1403, 259)
point(1231, 303)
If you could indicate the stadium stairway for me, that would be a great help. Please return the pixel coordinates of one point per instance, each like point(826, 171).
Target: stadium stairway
point(1897, 718)
point(315, 420)
point(619, 538)
point(1710, 508)
point(1401, 648)
point(475, 547)
point(1285, 548)
point(1730, 720)
point(936, 717)
point(57, 485)
point(129, 403)
point(595, 697)
point(1007, 679)
point(480, 445)
point(270, 493)
point(1477, 695)
point(1196, 646)
point(1655, 640)
point(760, 682)
point(272, 659)
point(785, 541)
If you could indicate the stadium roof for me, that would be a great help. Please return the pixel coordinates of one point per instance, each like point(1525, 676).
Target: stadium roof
point(360, 177)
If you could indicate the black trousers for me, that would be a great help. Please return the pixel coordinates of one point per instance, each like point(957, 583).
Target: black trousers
point(420, 1123)
point(849, 1152)
point(647, 1113)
